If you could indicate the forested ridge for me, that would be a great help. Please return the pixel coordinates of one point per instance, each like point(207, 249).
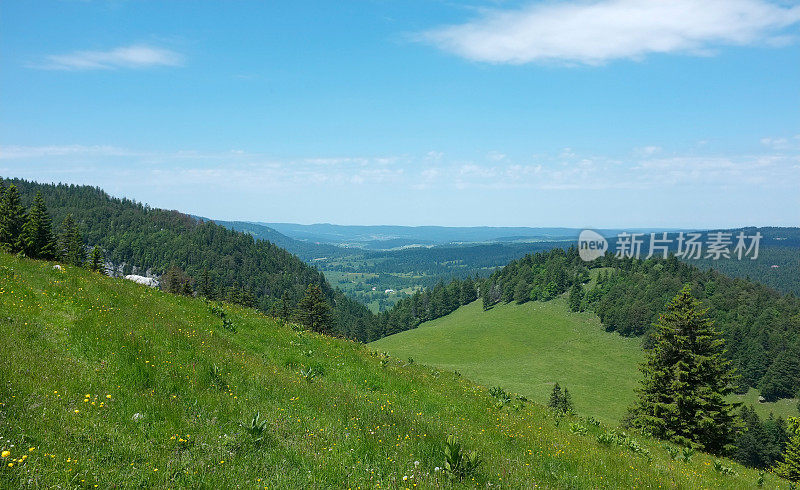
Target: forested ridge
point(219, 263)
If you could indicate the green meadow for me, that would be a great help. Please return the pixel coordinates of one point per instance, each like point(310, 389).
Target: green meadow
point(528, 348)
point(110, 384)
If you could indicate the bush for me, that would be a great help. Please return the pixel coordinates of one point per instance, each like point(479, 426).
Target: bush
point(458, 463)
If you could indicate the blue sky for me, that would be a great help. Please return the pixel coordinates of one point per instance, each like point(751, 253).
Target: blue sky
point(596, 113)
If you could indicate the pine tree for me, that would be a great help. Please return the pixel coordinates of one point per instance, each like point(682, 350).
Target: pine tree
point(206, 288)
point(70, 243)
point(38, 240)
point(575, 297)
point(314, 311)
point(566, 402)
point(285, 306)
point(486, 295)
point(97, 261)
point(753, 444)
point(789, 468)
point(686, 380)
point(556, 398)
point(12, 221)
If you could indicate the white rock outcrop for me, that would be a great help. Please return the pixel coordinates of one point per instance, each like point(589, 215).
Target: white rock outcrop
point(145, 281)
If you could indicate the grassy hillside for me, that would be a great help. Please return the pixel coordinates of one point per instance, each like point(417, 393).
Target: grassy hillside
point(527, 348)
point(108, 383)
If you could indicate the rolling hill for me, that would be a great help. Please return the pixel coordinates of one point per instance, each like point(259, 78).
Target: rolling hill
point(528, 348)
point(107, 383)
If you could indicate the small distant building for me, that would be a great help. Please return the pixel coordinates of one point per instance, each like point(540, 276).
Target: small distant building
point(374, 288)
point(389, 291)
point(775, 266)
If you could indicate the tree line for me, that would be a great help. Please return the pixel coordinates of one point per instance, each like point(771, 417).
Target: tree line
point(191, 255)
point(29, 231)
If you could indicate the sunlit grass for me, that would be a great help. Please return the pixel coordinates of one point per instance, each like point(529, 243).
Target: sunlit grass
point(108, 383)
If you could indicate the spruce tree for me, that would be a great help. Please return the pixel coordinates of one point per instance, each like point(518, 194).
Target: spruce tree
point(12, 221)
point(556, 398)
point(566, 402)
point(314, 311)
point(285, 306)
point(206, 288)
point(38, 240)
point(686, 380)
point(486, 296)
point(70, 243)
point(789, 468)
point(575, 297)
point(97, 261)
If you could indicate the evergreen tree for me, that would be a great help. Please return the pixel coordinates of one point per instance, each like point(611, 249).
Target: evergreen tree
point(285, 309)
point(566, 402)
point(686, 380)
point(314, 311)
point(486, 295)
point(96, 261)
point(521, 292)
point(782, 379)
point(206, 287)
point(38, 240)
point(753, 444)
point(70, 243)
point(576, 297)
point(176, 281)
point(789, 468)
point(556, 398)
point(12, 221)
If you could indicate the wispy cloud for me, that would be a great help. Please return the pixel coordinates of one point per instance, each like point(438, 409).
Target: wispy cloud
point(132, 57)
point(595, 32)
point(566, 170)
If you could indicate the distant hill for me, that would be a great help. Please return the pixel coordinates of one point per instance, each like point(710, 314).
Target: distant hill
point(113, 384)
point(307, 251)
point(384, 237)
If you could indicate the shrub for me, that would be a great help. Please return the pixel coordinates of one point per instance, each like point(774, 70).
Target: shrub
point(577, 428)
point(458, 463)
point(502, 397)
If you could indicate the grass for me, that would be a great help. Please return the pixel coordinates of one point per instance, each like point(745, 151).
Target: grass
point(527, 349)
point(786, 407)
point(107, 383)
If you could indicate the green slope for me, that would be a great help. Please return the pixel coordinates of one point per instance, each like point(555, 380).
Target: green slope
point(108, 383)
point(527, 348)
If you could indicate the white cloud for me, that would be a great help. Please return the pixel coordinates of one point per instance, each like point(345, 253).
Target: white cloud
point(133, 56)
point(242, 171)
point(595, 32)
point(648, 150)
point(495, 156)
point(20, 152)
point(782, 143)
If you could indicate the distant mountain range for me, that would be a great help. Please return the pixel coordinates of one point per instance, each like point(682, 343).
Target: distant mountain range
point(387, 237)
